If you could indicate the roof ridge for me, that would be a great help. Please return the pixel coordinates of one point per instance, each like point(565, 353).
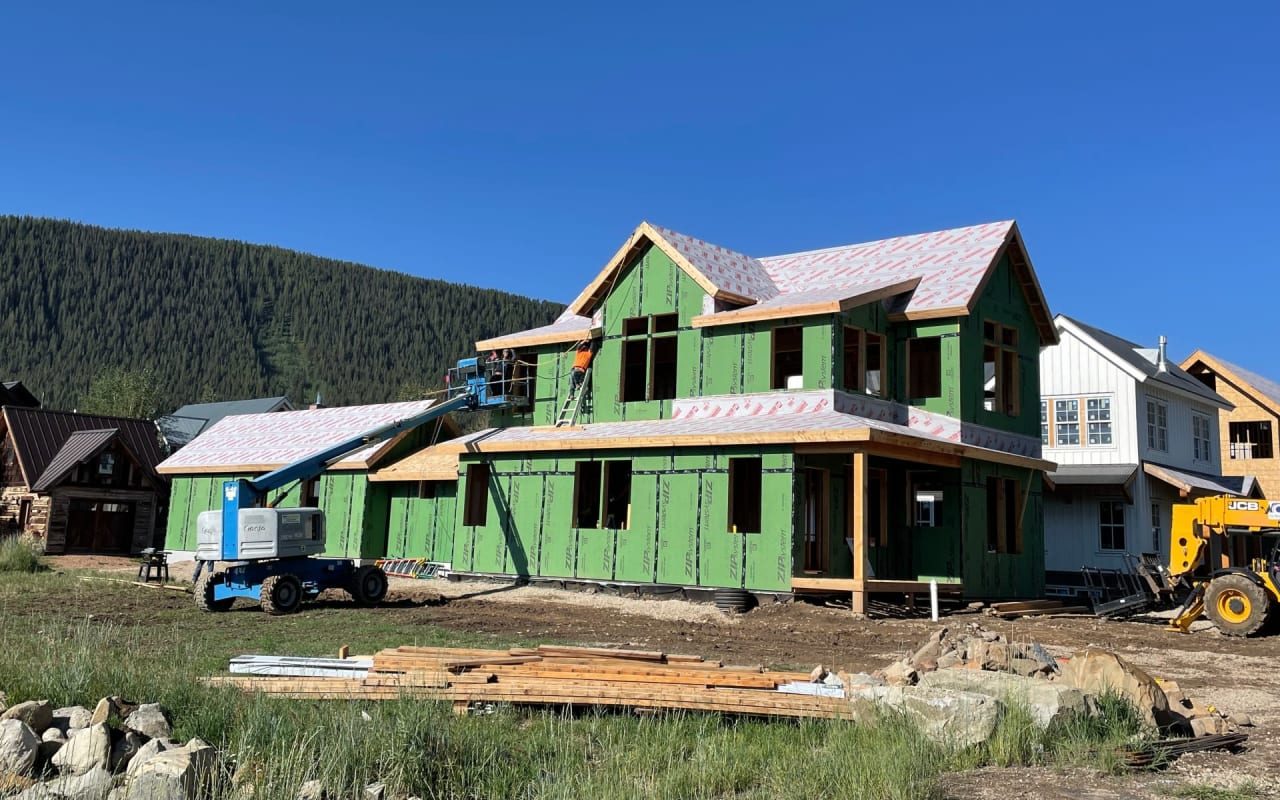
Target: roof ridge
point(63, 412)
point(851, 245)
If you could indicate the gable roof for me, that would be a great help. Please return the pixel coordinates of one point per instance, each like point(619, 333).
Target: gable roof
point(79, 448)
point(1262, 389)
point(938, 274)
point(263, 442)
point(39, 435)
point(1142, 362)
point(188, 422)
point(13, 393)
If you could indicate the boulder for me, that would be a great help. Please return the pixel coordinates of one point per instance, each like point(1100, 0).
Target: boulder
point(124, 748)
point(148, 750)
point(1096, 672)
point(93, 785)
point(375, 791)
point(312, 790)
point(109, 708)
point(1241, 719)
point(72, 718)
point(1026, 667)
point(53, 735)
point(150, 721)
point(900, 674)
point(1046, 701)
point(184, 773)
point(949, 660)
point(90, 749)
point(36, 713)
point(959, 719)
point(19, 746)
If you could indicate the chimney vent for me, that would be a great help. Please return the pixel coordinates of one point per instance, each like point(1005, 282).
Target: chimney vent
point(1161, 364)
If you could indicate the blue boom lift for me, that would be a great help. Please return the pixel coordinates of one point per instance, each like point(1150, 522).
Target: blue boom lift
point(271, 551)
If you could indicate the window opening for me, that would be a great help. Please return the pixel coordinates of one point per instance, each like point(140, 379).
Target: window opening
point(1157, 425)
point(664, 368)
point(788, 355)
point(744, 495)
point(634, 370)
point(924, 368)
point(1004, 520)
point(476, 511)
point(874, 382)
point(617, 492)
point(1250, 440)
point(586, 495)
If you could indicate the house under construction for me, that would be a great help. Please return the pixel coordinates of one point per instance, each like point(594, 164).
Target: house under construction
point(858, 419)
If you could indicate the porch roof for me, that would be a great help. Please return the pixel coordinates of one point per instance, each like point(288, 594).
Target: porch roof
point(1091, 474)
point(1190, 483)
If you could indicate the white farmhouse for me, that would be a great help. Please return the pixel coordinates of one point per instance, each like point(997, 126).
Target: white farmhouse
point(1132, 434)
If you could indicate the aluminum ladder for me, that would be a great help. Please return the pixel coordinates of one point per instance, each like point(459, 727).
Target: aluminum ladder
point(573, 404)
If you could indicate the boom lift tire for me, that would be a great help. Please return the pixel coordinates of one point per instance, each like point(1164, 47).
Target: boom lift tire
point(1236, 605)
point(281, 594)
point(368, 585)
point(203, 591)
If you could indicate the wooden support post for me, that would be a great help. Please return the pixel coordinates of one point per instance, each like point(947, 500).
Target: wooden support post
point(858, 528)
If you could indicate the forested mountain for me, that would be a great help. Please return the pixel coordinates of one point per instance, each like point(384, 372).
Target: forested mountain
point(218, 320)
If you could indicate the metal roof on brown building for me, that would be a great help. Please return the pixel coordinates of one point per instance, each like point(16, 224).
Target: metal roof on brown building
point(39, 435)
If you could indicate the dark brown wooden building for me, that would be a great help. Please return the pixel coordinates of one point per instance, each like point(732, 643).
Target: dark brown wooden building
point(80, 483)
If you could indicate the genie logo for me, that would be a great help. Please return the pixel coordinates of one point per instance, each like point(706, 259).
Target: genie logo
point(230, 491)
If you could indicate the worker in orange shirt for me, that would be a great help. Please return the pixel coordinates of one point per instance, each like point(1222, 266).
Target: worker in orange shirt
point(581, 360)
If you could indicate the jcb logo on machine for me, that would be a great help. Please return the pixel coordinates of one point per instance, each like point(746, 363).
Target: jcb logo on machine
point(1247, 505)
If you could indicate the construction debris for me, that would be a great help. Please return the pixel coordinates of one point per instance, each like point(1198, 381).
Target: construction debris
point(1034, 608)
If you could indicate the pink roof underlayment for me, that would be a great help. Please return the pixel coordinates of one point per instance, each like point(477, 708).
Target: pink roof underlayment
point(815, 417)
point(937, 274)
point(262, 442)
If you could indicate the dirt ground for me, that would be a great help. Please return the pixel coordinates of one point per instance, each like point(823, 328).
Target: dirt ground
point(1237, 675)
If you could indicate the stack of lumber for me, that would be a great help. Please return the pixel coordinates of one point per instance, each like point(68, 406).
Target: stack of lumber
point(1033, 608)
point(559, 676)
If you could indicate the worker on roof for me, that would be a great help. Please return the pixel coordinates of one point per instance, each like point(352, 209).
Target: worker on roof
point(581, 361)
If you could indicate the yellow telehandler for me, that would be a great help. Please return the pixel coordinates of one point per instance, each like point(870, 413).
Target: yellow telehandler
point(1225, 555)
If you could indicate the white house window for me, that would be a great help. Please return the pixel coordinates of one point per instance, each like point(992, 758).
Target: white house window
point(928, 503)
point(1201, 438)
point(1065, 428)
point(1099, 412)
point(1111, 525)
point(1157, 425)
point(1066, 421)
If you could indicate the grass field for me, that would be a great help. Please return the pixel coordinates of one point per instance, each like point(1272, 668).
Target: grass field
point(73, 640)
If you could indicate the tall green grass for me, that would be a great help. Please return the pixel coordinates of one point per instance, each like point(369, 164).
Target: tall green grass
point(275, 745)
point(19, 554)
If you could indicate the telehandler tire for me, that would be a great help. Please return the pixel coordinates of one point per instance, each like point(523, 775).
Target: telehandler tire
point(1236, 605)
point(203, 591)
point(368, 585)
point(281, 594)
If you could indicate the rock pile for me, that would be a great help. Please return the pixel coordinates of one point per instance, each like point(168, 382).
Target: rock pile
point(955, 686)
point(118, 751)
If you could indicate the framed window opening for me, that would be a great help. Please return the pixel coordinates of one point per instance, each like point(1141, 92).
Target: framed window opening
point(475, 511)
point(650, 358)
point(617, 495)
point(1000, 369)
point(586, 494)
point(875, 382)
point(1111, 525)
point(924, 368)
point(1250, 440)
point(817, 512)
point(788, 356)
point(1157, 425)
point(1004, 516)
point(745, 476)
point(310, 494)
point(426, 490)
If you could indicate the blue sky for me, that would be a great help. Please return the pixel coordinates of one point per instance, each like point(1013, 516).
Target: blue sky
point(516, 145)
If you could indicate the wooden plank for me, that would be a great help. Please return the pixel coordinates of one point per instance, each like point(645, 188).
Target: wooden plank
point(640, 655)
point(858, 530)
point(673, 658)
point(1025, 605)
point(491, 661)
point(1039, 612)
point(805, 583)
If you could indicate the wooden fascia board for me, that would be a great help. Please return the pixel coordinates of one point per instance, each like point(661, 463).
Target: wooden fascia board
point(929, 313)
point(900, 453)
point(1158, 472)
point(807, 309)
point(516, 340)
point(411, 475)
point(1243, 386)
point(585, 302)
point(22, 463)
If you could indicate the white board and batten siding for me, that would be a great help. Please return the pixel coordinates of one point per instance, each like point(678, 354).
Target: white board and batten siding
point(1072, 368)
point(1181, 448)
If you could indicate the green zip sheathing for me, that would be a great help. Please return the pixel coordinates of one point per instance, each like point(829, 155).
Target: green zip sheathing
point(996, 575)
point(678, 529)
point(1002, 301)
point(421, 527)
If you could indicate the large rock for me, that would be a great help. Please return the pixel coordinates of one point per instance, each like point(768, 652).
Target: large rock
point(19, 746)
point(149, 750)
point(88, 750)
point(149, 720)
point(959, 719)
point(184, 773)
point(1046, 701)
point(124, 748)
point(93, 785)
point(110, 708)
point(1097, 672)
point(36, 713)
point(72, 718)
